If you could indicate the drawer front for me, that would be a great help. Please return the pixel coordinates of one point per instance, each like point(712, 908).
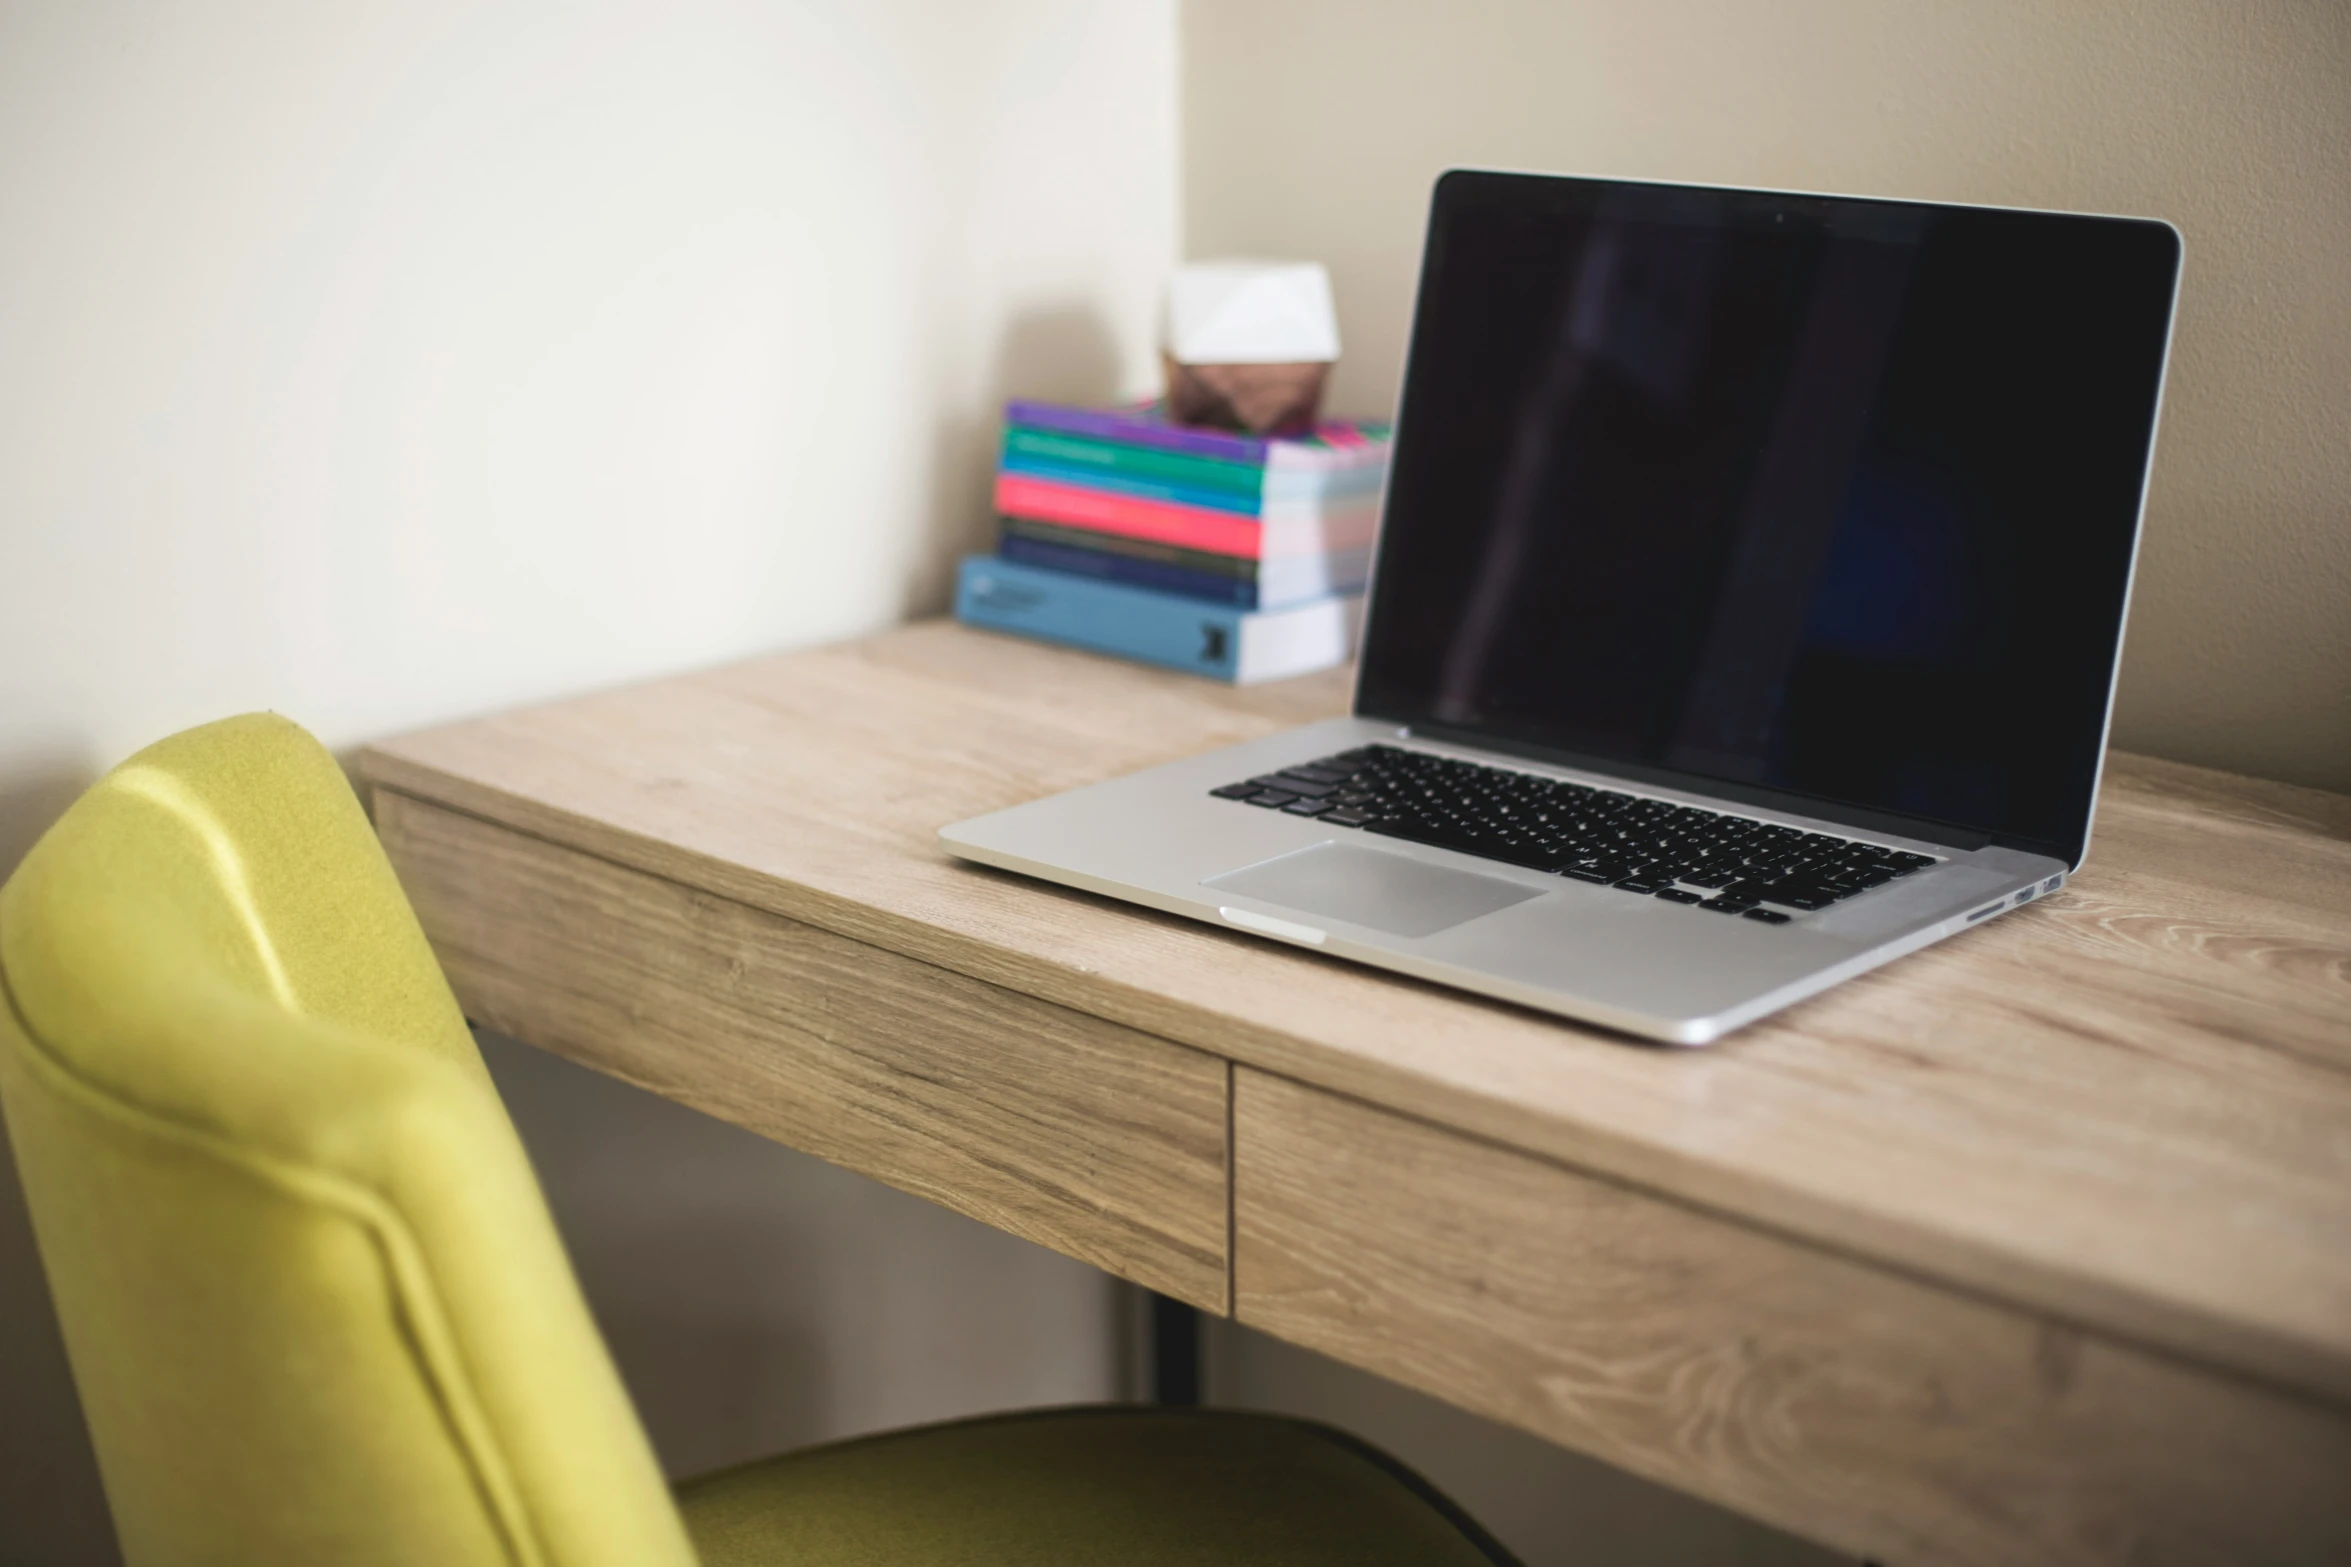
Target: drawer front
point(1859, 1407)
point(1102, 1142)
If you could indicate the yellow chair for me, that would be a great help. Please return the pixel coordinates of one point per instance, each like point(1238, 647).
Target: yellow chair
point(317, 1311)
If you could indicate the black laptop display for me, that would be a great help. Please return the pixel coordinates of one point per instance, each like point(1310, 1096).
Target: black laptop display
point(1805, 501)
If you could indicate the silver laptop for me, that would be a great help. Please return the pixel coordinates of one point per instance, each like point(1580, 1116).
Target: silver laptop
point(1749, 591)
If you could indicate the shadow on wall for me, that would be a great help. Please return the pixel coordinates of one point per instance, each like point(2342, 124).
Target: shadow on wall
point(51, 1507)
point(1060, 353)
point(32, 795)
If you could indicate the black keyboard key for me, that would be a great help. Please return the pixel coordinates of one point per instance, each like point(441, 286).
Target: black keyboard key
point(1806, 899)
point(1239, 791)
point(1580, 873)
point(1766, 916)
point(1443, 837)
point(1293, 783)
point(1638, 884)
point(1531, 855)
point(1271, 798)
point(1317, 773)
point(1728, 905)
point(1307, 807)
point(1676, 895)
point(1347, 816)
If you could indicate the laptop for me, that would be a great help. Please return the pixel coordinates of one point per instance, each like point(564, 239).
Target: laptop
point(1747, 602)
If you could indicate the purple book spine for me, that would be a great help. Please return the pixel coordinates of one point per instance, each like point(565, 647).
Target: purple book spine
point(1140, 432)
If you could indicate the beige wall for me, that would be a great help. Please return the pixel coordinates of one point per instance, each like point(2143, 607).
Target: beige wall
point(1313, 128)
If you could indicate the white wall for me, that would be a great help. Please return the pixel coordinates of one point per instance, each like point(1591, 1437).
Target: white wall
point(383, 363)
point(387, 362)
point(2232, 118)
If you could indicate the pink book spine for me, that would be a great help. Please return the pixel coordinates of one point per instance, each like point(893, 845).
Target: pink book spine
point(1192, 527)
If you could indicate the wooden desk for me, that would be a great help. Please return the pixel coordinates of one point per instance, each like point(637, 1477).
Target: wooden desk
point(2034, 1247)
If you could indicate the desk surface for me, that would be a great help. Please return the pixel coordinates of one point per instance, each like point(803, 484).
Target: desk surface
point(2128, 1107)
point(2031, 1245)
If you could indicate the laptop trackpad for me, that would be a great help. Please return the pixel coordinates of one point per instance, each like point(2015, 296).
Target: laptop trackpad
point(1366, 887)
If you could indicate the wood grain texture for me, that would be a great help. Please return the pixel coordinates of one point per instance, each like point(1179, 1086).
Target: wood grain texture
point(1857, 1407)
point(2127, 1107)
point(1091, 1138)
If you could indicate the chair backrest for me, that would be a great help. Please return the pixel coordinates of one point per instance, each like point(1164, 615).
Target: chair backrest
point(316, 1309)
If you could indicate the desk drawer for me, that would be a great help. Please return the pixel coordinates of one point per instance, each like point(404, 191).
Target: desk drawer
point(1862, 1408)
point(1099, 1141)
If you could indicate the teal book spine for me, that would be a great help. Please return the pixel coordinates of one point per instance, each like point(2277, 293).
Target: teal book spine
point(1107, 617)
point(1151, 474)
point(1082, 454)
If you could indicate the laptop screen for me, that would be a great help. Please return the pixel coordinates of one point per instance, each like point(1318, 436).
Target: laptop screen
point(1806, 501)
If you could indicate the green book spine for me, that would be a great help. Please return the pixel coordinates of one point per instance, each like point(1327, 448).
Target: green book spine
point(1077, 451)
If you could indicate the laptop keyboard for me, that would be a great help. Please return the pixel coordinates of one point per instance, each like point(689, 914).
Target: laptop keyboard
point(1708, 859)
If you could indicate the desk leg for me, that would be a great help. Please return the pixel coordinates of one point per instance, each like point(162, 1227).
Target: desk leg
point(1175, 1353)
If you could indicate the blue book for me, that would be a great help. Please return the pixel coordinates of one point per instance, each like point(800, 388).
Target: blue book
point(1218, 640)
point(1158, 576)
point(1263, 584)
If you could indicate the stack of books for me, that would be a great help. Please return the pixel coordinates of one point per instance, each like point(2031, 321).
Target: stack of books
point(1235, 556)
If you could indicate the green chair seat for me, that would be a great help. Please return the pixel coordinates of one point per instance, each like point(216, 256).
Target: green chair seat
point(1079, 1487)
point(317, 1311)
